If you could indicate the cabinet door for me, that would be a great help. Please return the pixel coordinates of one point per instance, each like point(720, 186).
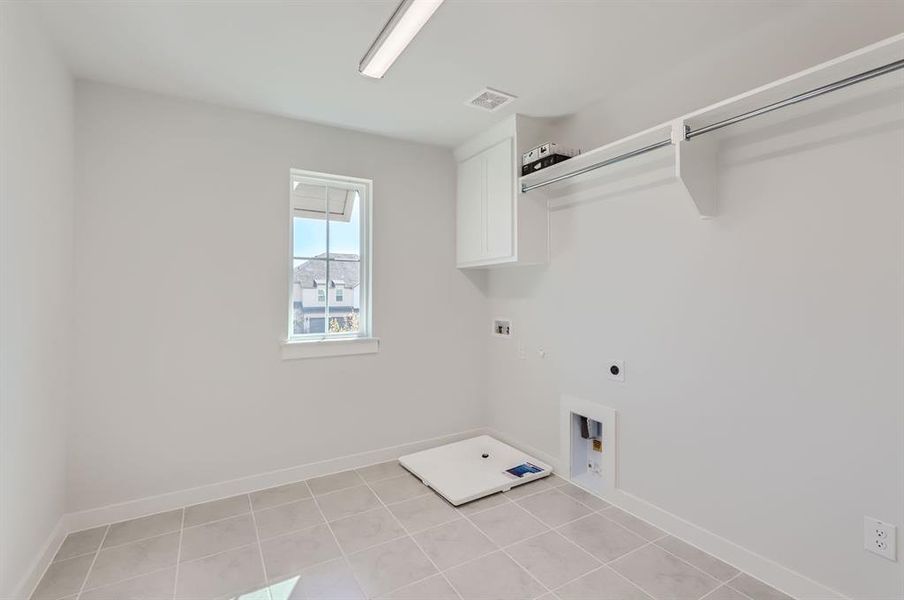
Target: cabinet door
point(470, 209)
point(500, 198)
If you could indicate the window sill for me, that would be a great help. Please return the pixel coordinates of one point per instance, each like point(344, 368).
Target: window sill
point(323, 348)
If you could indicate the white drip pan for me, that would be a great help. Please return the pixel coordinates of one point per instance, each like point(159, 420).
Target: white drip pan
point(470, 469)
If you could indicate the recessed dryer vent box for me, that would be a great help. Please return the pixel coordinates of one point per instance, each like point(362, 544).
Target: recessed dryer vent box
point(470, 469)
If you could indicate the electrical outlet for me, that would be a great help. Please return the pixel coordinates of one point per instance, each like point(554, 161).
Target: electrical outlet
point(615, 370)
point(880, 538)
point(502, 327)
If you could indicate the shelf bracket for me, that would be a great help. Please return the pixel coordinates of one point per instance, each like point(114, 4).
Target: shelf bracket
point(696, 167)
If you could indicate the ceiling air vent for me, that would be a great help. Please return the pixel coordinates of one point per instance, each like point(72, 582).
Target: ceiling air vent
point(490, 99)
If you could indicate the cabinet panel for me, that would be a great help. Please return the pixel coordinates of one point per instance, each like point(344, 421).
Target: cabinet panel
point(500, 197)
point(497, 225)
point(470, 210)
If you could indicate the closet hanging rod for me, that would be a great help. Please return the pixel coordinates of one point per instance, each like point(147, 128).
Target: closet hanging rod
point(815, 92)
point(692, 133)
point(599, 165)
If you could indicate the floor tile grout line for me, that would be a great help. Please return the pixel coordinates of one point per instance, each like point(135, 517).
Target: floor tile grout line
point(738, 575)
point(502, 549)
point(414, 541)
point(211, 522)
point(483, 510)
point(728, 584)
point(589, 493)
point(131, 577)
point(573, 579)
point(623, 526)
point(564, 537)
point(83, 554)
point(713, 591)
point(260, 549)
point(136, 540)
point(662, 537)
point(628, 581)
point(93, 561)
point(325, 520)
point(498, 546)
point(342, 552)
point(555, 528)
point(628, 529)
point(724, 582)
point(136, 576)
point(689, 563)
point(394, 461)
point(653, 543)
point(179, 553)
point(438, 525)
point(374, 509)
point(187, 506)
point(628, 553)
point(695, 567)
point(572, 542)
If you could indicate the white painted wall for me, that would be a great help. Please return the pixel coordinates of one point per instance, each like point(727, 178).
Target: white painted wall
point(764, 349)
point(36, 241)
point(182, 290)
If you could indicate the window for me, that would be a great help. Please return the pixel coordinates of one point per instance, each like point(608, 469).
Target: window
point(330, 250)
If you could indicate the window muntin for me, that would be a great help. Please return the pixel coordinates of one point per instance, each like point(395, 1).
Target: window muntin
point(330, 275)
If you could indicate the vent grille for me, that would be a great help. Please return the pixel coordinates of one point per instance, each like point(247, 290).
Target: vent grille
point(490, 100)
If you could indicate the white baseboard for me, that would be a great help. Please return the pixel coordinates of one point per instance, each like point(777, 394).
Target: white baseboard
point(153, 504)
point(140, 507)
point(770, 572)
point(41, 561)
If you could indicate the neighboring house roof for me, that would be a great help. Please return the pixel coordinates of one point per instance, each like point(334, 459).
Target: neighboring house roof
point(345, 271)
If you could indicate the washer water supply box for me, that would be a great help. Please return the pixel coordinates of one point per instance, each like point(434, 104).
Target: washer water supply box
point(470, 469)
point(545, 155)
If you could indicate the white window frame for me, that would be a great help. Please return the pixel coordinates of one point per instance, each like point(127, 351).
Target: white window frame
point(334, 344)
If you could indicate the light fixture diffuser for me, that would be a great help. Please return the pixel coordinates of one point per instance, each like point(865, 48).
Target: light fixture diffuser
point(404, 24)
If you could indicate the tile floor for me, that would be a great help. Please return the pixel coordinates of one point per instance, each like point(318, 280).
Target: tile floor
point(378, 532)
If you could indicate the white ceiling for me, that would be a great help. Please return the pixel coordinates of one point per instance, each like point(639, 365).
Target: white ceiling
point(299, 59)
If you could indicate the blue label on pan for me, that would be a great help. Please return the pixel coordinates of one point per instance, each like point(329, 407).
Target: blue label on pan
point(523, 469)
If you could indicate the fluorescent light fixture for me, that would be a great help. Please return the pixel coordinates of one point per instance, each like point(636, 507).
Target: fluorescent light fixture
point(404, 24)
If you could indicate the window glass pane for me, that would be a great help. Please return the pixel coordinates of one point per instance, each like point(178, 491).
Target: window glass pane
point(309, 237)
point(309, 219)
point(344, 296)
point(309, 310)
point(345, 224)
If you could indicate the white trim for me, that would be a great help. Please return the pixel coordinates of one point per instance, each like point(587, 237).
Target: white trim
point(365, 257)
point(770, 572)
point(32, 576)
point(324, 347)
point(140, 507)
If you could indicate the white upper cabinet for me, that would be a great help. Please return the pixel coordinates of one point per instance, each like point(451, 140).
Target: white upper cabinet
point(470, 210)
point(500, 200)
point(495, 225)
